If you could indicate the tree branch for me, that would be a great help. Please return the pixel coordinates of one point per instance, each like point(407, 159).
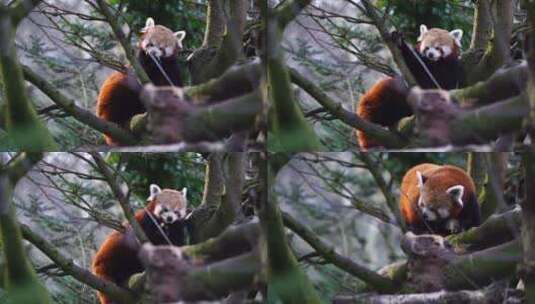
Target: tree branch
point(376, 132)
point(113, 183)
point(129, 52)
point(82, 115)
point(371, 278)
point(69, 267)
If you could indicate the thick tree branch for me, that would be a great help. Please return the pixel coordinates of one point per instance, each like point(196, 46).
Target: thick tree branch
point(21, 282)
point(287, 281)
point(498, 229)
point(21, 9)
point(230, 207)
point(69, 267)
point(25, 131)
point(441, 122)
point(288, 124)
point(214, 183)
point(172, 119)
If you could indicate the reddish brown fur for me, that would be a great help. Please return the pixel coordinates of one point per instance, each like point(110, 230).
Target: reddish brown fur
point(439, 179)
point(384, 104)
point(117, 259)
point(118, 102)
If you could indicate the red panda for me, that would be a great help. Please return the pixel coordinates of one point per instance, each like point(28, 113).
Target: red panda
point(438, 199)
point(118, 100)
point(385, 103)
point(163, 221)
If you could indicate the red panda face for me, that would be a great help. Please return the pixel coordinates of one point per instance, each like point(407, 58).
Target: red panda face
point(159, 41)
point(436, 44)
point(170, 205)
point(436, 201)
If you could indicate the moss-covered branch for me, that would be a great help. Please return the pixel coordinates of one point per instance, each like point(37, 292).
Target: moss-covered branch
point(172, 278)
point(497, 229)
point(290, 130)
point(238, 80)
point(214, 183)
point(172, 119)
point(230, 207)
point(215, 24)
point(21, 282)
point(287, 283)
point(26, 132)
point(441, 122)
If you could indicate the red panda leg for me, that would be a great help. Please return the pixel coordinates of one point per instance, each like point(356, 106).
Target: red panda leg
point(384, 104)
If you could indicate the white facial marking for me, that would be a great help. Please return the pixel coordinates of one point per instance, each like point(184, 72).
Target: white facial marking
point(168, 217)
point(428, 214)
point(168, 51)
point(443, 212)
point(453, 226)
point(154, 51)
point(446, 50)
point(456, 192)
point(433, 54)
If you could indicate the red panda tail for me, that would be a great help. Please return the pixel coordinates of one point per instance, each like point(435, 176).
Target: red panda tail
point(384, 104)
point(118, 101)
point(107, 262)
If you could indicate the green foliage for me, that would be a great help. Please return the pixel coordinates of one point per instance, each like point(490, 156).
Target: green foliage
point(399, 163)
point(174, 14)
point(407, 16)
point(168, 170)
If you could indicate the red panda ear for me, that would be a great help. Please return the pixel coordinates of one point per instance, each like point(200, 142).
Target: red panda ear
point(184, 192)
point(423, 30)
point(457, 35)
point(421, 179)
point(148, 24)
point(154, 190)
point(180, 35)
point(456, 192)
